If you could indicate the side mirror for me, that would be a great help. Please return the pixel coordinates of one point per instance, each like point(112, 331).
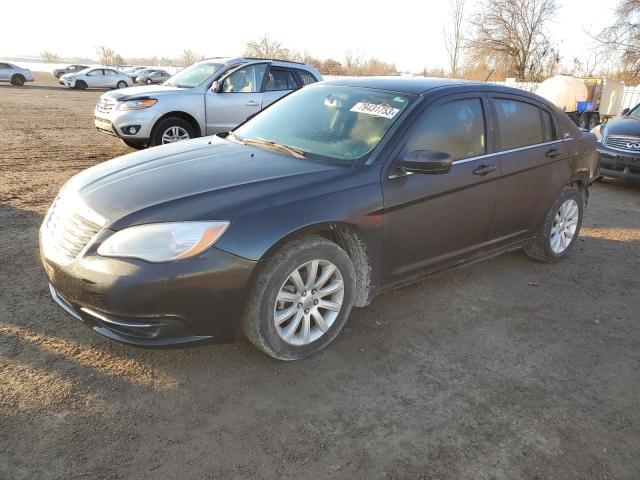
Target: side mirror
point(215, 87)
point(625, 111)
point(427, 161)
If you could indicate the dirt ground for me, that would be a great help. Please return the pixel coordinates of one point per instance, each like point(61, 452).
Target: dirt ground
point(507, 369)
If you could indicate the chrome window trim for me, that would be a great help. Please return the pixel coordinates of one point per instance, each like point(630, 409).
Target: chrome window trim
point(486, 155)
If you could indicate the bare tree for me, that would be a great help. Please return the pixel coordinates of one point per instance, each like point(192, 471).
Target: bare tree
point(623, 38)
point(107, 56)
point(585, 66)
point(49, 57)
point(453, 35)
point(189, 57)
point(513, 33)
point(266, 47)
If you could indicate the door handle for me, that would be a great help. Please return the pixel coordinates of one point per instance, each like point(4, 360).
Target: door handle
point(251, 103)
point(484, 169)
point(552, 153)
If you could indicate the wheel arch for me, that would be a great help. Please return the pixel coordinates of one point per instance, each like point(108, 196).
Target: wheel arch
point(182, 115)
point(348, 237)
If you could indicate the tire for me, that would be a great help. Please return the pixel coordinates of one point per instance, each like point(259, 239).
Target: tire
point(137, 146)
point(149, 82)
point(17, 80)
point(121, 84)
point(594, 121)
point(164, 125)
point(258, 322)
point(80, 85)
point(583, 120)
point(544, 248)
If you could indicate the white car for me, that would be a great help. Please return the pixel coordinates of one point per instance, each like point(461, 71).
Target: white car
point(14, 74)
point(96, 77)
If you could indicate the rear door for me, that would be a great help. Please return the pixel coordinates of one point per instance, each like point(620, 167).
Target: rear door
point(5, 71)
point(432, 220)
point(533, 166)
point(279, 82)
point(240, 96)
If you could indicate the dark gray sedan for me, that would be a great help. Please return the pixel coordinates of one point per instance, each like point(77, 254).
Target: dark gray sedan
point(153, 77)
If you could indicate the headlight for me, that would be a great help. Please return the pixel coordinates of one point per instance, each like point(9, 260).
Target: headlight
point(596, 131)
point(138, 104)
point(163, 242)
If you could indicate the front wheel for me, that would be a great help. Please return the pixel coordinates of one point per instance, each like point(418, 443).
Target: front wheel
point(149, 82)
point(594, 121)
point(80, 85)
point(121, 84)
point(583, 120)
point(560, 229)
point(301, 299)
point(17, 80)
point(170, 130)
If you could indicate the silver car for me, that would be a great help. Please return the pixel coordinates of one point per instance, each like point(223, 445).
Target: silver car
point(153, 77)
point(14, 74)
point(96, 77)
point(209, 97)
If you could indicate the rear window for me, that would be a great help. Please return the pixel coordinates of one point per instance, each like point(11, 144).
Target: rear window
point(306, 77)
point(519, 123)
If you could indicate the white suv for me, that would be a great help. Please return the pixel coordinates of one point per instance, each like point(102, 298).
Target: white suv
point(96, 77)
point(209, 97)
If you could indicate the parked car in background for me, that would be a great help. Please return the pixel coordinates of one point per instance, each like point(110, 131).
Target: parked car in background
point(619, 145)
point(208, 97)
point(58, 72)
point(96, 77)
point(142, 72)
point(153, 77)
point(14, 74)
point(338, 192)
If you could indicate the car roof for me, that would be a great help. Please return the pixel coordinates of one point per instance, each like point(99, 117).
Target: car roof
point(411, 85)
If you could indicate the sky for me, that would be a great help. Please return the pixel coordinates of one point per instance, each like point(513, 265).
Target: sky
point(407, 33)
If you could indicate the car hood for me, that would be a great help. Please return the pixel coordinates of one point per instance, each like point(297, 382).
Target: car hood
point(190, 180)
point(124, 94)
point(625, 126)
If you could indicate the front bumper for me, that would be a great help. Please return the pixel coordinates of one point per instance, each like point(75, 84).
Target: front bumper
point(619, 164)
point(116, 123)
point(154, 304)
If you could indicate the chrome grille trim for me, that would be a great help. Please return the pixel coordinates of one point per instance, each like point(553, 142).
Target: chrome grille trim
point(105, 105)
point(65, 233)
point(625, 144)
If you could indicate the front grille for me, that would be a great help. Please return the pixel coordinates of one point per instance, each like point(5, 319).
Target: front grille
point(66, 230)
point(105, 105)
point(627, 144)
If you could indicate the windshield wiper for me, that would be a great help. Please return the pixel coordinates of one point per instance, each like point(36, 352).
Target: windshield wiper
point(270, 143)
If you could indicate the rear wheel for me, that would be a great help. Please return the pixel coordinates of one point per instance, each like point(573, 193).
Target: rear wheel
point(170, 130)
point(80, 85)
point(301, 299)
point(560, 229)
point(121, 84)
point(17, 80)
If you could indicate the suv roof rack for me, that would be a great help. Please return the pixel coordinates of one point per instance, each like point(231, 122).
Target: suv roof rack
point(275, 60)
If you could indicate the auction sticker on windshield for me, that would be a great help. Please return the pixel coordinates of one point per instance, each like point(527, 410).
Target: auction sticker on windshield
point(375, 109)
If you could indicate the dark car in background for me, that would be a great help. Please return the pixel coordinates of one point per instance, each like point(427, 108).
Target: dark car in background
point(619, 145)
point(152, 77)
point(331, 195)
point(58, 72)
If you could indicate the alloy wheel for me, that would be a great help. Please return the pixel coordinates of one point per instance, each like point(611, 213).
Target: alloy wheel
point(564, 226)
point(308, 302)
point(174, 134)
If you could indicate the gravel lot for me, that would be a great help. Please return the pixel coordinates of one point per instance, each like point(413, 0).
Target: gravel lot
point(504, 370)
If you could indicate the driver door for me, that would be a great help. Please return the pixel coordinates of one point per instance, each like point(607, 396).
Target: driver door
point(435, 220)
point(240, 96)
point(95, 78)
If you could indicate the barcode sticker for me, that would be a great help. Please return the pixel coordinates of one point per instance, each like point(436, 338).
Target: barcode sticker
point(375, 109)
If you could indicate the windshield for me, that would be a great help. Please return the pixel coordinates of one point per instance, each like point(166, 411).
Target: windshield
point(338, 123)
point(194, 75)
point(635, 113)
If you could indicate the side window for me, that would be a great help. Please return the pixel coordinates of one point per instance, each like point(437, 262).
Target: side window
point(110, 73)
point(456, 128)
point(4, 65)
point(306, 77)
point(245, 80)
point(280, 79)
point(520, 123)
point(94, 73)
point(547, 126)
